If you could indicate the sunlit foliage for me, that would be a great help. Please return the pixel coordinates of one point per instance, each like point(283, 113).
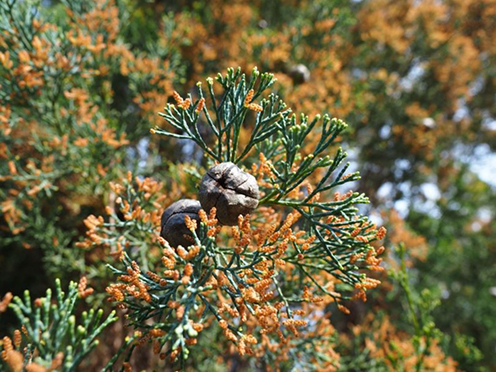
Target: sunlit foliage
point(83, 182)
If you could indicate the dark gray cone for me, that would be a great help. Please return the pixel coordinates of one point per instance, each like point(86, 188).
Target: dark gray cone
point(299, 73)
point(230, 190)
point(174, 228)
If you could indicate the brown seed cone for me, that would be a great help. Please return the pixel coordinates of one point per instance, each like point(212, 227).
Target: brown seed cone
point(231, 191)
point(174, 229)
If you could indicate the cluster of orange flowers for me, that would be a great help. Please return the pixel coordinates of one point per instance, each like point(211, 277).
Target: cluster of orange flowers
point(96, 51)
point(457, 37)
point(5, 301)
point(74, 125)
point(386, 343)
point(249, 104)
point(140, 212)
point(135, 288)
point(97, 31)
point(417, 245)
point(83, 289)
point(259, 308)
point(15, 358)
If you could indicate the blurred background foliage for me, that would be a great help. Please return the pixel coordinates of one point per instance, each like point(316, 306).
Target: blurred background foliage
point(82, 81)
